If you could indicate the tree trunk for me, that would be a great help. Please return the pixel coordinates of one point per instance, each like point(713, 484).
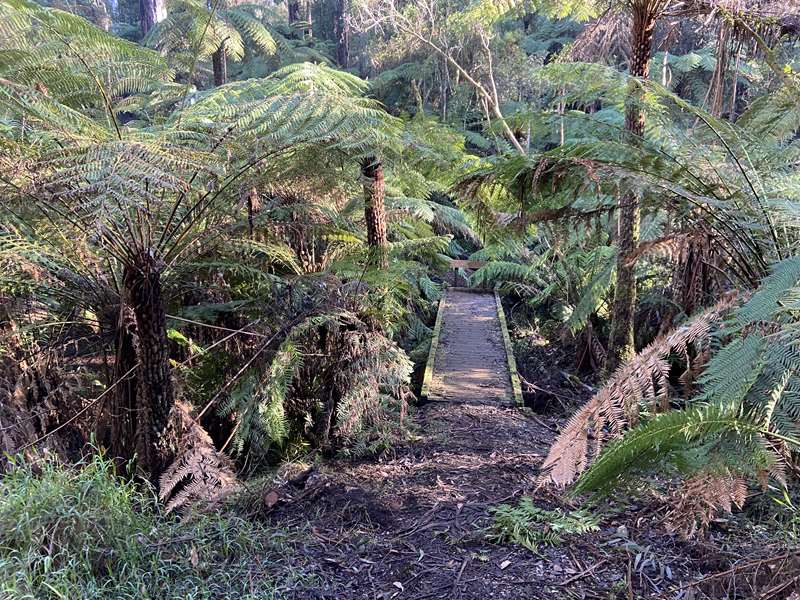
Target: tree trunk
point(300, 10)
point(375, 211)
point(220, 64)
point(341, 28)
point(155, 435)
point(294, 11)
point(716, 90)
point(150, 13)
point(621, 342)
point(123, 412)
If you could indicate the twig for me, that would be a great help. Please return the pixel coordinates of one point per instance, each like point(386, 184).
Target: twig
point(583, 573)
point(456, 583)
point(734, 569)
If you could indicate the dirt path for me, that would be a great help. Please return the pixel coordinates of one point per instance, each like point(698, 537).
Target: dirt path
point(413, 525)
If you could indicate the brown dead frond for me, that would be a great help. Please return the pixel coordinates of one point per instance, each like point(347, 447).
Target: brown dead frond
point(605, 38)
point(37, 397)
point(702, 498)
point(671, 247)
point(199, 472)
point(639, 383)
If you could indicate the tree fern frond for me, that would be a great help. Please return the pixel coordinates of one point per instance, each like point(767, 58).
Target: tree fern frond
point(654, 441)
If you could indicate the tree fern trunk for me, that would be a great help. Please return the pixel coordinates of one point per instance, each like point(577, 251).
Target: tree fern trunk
point(123, 411)
point(220, 64)
point(300, 10)
point(375, 211)
point(155, 439)
point(294, 11)
point(621, 342)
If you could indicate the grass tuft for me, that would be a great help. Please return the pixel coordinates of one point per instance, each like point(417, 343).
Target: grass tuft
point(84, 532)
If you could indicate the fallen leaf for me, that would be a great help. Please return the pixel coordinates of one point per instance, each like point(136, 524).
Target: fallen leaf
point(399, 586)
point(194, 558)
point(271, 498)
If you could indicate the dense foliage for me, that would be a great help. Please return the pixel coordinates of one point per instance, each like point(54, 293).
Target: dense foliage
point(225, 228)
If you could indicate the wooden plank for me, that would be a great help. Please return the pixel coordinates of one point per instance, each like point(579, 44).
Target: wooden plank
point(516, 386)
point(437, 329)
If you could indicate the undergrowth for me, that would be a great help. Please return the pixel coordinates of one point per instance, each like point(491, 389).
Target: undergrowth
point(84, 532)
point(532, 527)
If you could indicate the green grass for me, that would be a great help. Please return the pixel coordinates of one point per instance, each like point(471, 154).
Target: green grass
point(83, 532)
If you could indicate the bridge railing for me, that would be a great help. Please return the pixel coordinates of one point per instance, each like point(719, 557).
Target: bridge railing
point(458, 266)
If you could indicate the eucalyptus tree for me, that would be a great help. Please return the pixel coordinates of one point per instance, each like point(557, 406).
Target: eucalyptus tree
point(151, 12)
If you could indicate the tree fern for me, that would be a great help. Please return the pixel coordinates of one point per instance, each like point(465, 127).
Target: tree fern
point(744, 417)
point(190, 24)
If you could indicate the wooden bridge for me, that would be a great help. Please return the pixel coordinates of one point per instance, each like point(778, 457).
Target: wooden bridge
point(471, 359)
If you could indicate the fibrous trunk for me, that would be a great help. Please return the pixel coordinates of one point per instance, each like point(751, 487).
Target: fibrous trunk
point(124, 406)
point(155, 436)
point(220, 65)
point(621, 342)
point(150, 13)
point(375, 211)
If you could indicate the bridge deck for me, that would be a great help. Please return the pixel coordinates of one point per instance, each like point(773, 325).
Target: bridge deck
point(470, 363)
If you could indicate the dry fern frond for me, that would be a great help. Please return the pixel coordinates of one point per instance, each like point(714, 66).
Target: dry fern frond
point(603, 39)
point(701, 498)
point(671, 247)
point(37, 395)
point(199, 472)
point(639, 383)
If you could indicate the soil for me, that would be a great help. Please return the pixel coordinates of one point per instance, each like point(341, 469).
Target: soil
point(413, 524)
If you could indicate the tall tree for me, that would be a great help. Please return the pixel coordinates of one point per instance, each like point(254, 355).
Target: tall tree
point(342, 31)
point(150, 13)
point(375, 211)
point(293, 7)
point(621, 342)
point(300, 13)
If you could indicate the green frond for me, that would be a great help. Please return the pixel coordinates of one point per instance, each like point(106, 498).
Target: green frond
point(772, 294)
point(77, 63)
point(595, 292)
point(253, 29)
point(666, 435)
point(496, 272)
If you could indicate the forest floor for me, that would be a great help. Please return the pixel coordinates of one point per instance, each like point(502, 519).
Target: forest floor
point(413, 524)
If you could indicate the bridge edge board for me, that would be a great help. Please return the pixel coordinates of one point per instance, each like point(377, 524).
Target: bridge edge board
point(516, 386)
point(437, 328)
